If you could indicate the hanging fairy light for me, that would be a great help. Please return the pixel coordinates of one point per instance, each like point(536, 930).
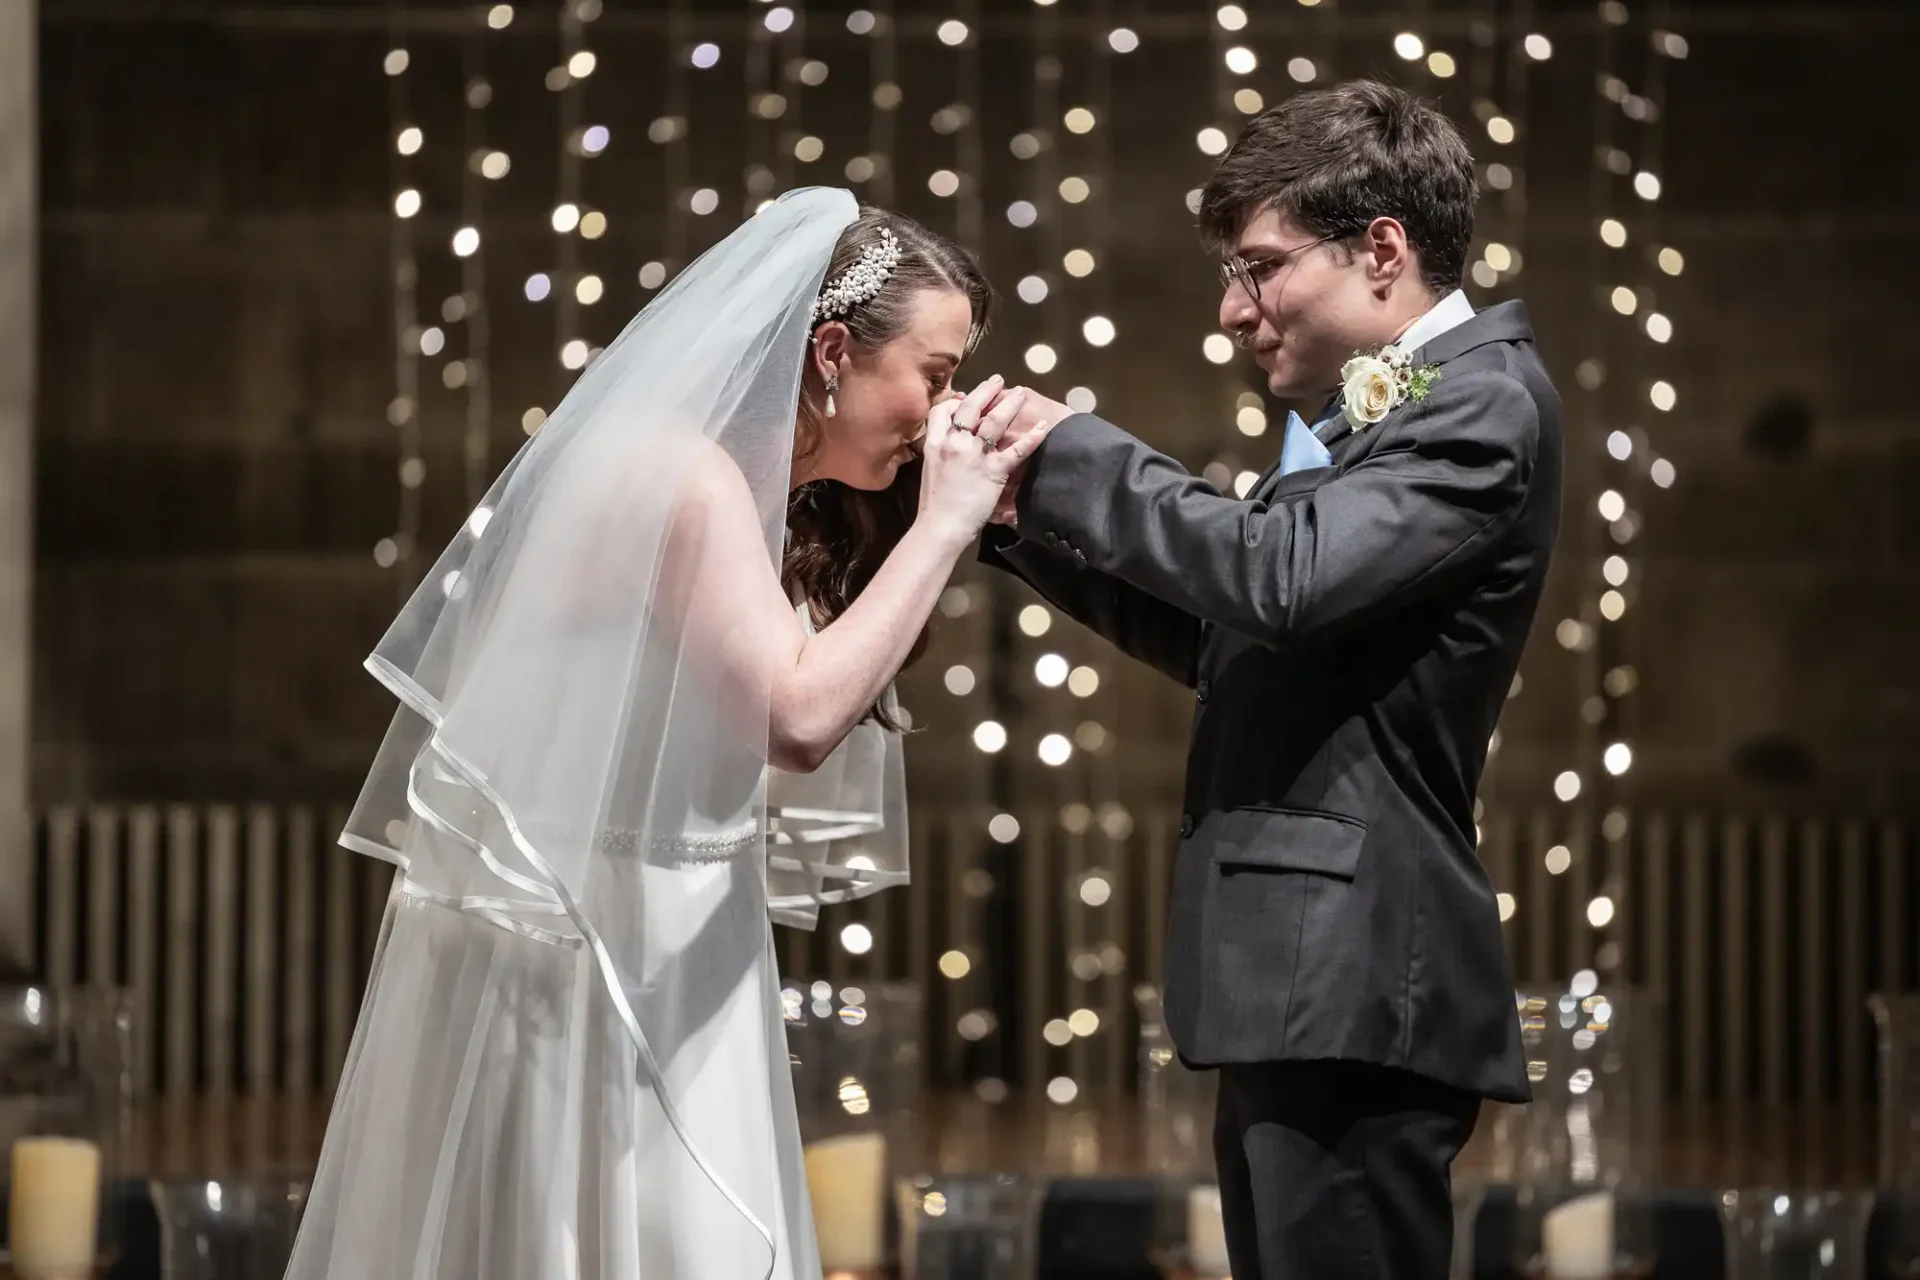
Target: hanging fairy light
point(473, 375)
point(976, 1053)
point(796, 149)
point(1627, 248)
point(670, 132)
point(768, 109)
point(1077, 204)
point(1064, 168)
point(876, 166)
point(399, 550)
point(1589, 636)
point(1230, 58)
point(569, 215)
point(1499, 70)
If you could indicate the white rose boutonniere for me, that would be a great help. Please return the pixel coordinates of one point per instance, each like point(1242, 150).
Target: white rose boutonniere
point(1374, 384)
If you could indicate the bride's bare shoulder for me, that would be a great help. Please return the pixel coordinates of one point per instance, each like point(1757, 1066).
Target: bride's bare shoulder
point(717, 540)
point(718, 507)
point(713, 485)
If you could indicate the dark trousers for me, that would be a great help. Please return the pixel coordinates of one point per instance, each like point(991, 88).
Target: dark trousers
point(1338, 1170)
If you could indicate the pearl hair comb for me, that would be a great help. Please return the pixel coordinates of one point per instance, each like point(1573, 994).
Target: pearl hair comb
point(860, 282)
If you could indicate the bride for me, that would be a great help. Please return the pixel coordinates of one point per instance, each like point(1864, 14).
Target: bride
point(646, 702)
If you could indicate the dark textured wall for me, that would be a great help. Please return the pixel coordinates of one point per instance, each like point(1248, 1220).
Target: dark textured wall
point(215, 463)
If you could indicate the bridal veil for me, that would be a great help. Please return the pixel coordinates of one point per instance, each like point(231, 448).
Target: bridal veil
point(546, 1077)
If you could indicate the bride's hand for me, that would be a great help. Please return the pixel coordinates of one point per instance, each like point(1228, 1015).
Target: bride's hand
point(966, 463)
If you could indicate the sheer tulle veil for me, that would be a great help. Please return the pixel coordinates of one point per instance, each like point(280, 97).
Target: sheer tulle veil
point(575, 780)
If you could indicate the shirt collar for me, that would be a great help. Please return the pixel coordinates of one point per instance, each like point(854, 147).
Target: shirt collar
point(1450, 312)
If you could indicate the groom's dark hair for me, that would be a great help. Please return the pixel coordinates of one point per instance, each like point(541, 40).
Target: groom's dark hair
point(1332, 160)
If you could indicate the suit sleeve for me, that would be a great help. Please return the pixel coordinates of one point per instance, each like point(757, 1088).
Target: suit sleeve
point(1154, 632)
point(1421, 512)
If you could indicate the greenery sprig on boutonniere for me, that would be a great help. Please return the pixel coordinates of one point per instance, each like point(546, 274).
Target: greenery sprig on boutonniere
point(1374, 384)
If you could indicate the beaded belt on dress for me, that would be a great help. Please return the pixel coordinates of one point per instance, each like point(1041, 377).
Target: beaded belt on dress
point(690, 846)
point(686, 847)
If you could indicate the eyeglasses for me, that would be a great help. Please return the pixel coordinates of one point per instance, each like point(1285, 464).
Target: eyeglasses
point(1253, 276)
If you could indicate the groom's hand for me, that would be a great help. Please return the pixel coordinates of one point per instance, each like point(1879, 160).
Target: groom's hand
point(1037, 414)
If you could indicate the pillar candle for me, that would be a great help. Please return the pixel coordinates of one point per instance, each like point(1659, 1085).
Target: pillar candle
point(846, 1179)
point(55, 1209)
point(1206, 1233)
point(1577, 1238)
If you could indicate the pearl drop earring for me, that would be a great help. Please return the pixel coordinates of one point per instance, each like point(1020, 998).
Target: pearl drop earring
point(833, 385)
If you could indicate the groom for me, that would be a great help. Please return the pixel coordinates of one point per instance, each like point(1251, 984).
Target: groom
point(1349, 630)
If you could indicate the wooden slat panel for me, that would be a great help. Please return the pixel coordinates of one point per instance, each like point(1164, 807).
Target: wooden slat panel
point(1853, 989)
point(1766, 968)
point(1162, 843)
point(260, 980)
point(144, 914)
point(1041, 872)
point(1902, 938)
point(1076, 928)
point(1733, 997)
point(1814, 1005)
point(1539, 902)
point(1655, 902)
point(1115, 1036)
point(1698, 1017)
point(297, 1038)
point(103, 896)
point(63, 897)
point(922, 946)
point(1773, 962)
point(183, 933)
point(963, 838)
point(1583, 881)
point(1619, 883)
point(223, 948)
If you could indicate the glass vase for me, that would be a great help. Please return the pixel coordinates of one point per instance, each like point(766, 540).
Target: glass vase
point(1176, 1102)
point(1587, 1148)
point(1772, 1234)
point(856, 1076)
point(65, 1065)
point(232, 1229)
point(1176, 1128)
point(970, 1227)
point(1897, 1021)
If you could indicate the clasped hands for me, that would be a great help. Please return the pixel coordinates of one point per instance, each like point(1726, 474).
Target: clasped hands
point(1037, 414)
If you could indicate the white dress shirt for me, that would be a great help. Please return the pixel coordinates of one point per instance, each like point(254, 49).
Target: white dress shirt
point(1450, 312)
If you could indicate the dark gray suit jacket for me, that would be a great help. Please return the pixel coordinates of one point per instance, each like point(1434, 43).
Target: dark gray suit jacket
point(1350, 633)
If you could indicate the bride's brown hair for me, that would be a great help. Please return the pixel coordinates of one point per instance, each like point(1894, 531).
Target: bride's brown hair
point(839, 536)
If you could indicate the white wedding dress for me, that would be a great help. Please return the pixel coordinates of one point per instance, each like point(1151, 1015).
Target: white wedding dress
point(570, 1061)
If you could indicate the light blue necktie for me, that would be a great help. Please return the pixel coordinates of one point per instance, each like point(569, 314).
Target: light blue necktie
point(1301, 450)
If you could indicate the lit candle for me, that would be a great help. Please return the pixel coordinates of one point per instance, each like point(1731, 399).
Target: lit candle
point(55, 1209)
point(1206, 1233)
point(847, 1181)
point(1577, 1238)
